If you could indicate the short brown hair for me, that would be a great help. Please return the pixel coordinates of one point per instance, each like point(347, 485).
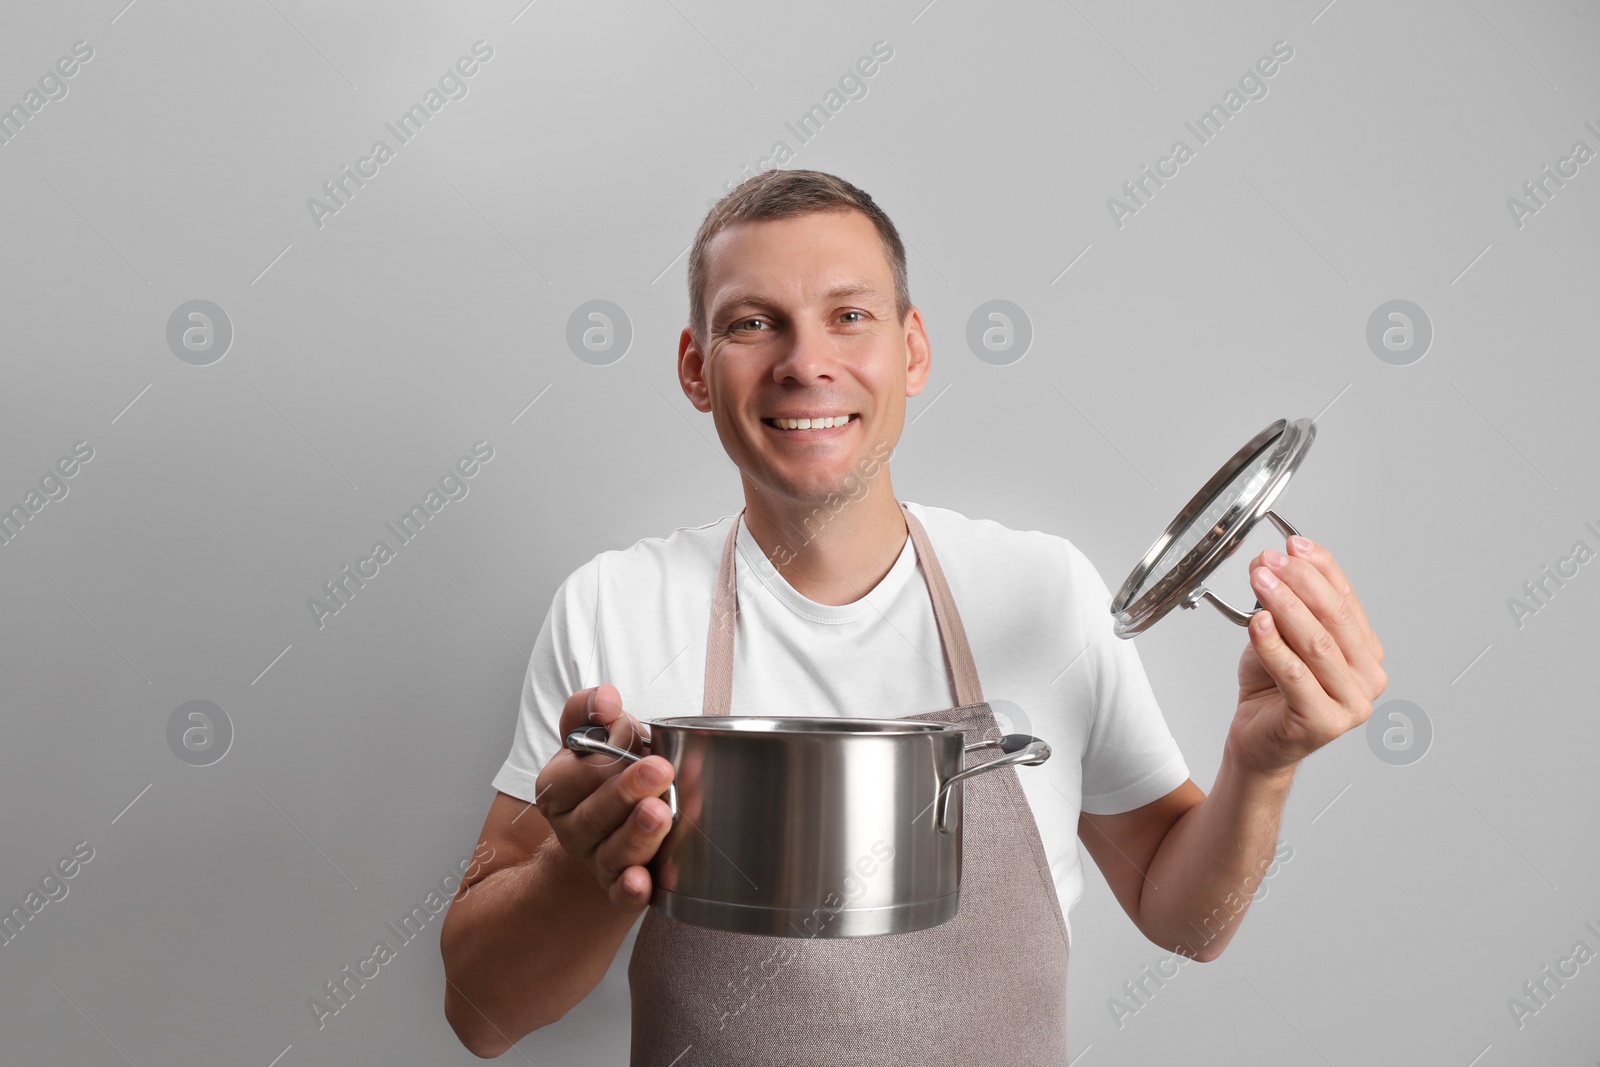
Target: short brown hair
point(781, 194)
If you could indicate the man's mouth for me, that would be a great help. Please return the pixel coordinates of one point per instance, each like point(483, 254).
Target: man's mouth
point(811, 425)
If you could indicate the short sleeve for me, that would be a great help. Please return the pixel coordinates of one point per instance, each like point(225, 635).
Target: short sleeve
point(1131, 757)
point(554, 673)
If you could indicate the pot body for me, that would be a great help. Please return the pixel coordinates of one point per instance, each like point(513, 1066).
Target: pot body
point(809, 827)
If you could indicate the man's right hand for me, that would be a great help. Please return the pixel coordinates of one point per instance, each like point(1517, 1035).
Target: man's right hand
point(605, 811)
point(522, 952)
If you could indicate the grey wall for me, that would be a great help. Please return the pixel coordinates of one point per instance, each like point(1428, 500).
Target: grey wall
point(371, 348)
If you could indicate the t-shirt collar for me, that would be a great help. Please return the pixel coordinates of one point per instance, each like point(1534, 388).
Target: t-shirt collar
point(753, 560)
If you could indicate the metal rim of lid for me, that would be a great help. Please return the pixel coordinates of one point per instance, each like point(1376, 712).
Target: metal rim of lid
point(1289, 441)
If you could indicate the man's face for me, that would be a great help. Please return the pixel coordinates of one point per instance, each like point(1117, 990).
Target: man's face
point(800, 323)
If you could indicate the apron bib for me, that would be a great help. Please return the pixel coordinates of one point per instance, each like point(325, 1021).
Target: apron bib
point(988, 987)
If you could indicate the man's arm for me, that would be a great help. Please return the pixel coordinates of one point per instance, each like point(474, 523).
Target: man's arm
point(529, 938)
point(534, 931)
point(1186, 866)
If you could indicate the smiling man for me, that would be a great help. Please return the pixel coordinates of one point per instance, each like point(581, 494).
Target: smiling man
point(804, 350)
point(829, 596)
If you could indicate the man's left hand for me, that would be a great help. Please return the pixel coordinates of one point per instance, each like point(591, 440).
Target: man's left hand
point(1313, 666)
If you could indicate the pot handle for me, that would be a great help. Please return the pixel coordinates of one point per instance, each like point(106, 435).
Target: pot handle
point(592, 740)
point(1019, 749)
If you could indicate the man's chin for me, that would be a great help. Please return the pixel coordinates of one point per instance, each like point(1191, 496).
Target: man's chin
point(822, 491)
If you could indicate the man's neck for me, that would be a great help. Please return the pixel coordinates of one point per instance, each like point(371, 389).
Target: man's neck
point(830, 556)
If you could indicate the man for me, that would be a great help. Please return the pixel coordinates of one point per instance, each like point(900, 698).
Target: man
point(800, 314)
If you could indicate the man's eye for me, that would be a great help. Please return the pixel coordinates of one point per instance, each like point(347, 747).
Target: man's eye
point(748, 322)
point(853, 313)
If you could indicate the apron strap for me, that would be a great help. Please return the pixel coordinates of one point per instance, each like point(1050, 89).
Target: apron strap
point(719, 641)
point(963, 671)
point(725, 611)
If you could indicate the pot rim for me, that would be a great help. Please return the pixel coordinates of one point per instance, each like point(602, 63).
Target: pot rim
point(803, 726)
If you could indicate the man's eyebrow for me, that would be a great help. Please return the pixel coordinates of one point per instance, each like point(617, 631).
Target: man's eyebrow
point(755, 298)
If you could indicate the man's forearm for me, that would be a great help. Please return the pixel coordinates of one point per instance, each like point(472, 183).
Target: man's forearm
point(1212, 861)
point(524, 945)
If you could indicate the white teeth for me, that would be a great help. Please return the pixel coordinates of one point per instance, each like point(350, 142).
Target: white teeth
point(810, 424)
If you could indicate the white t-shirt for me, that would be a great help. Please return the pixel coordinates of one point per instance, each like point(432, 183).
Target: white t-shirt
point(1036, 614)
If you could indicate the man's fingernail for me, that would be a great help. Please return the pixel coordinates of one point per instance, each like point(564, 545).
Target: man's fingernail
point(652, 775)
point(592, 709)
point(1300, 544)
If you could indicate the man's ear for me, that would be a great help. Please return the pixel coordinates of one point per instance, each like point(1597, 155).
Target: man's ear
point(919, 354)
point(691, 372)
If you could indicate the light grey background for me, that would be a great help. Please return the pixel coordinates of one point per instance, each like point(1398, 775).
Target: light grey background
point(431, 311)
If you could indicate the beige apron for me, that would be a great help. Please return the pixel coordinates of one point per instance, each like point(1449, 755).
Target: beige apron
point(988, 987)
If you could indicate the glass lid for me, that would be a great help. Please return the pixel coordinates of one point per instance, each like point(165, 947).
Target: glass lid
point(1210, 527)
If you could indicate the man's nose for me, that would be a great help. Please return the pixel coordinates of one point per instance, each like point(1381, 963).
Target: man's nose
point(808, 353)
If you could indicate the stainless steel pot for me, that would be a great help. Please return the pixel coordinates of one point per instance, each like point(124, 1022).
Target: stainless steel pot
point(812, 827)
